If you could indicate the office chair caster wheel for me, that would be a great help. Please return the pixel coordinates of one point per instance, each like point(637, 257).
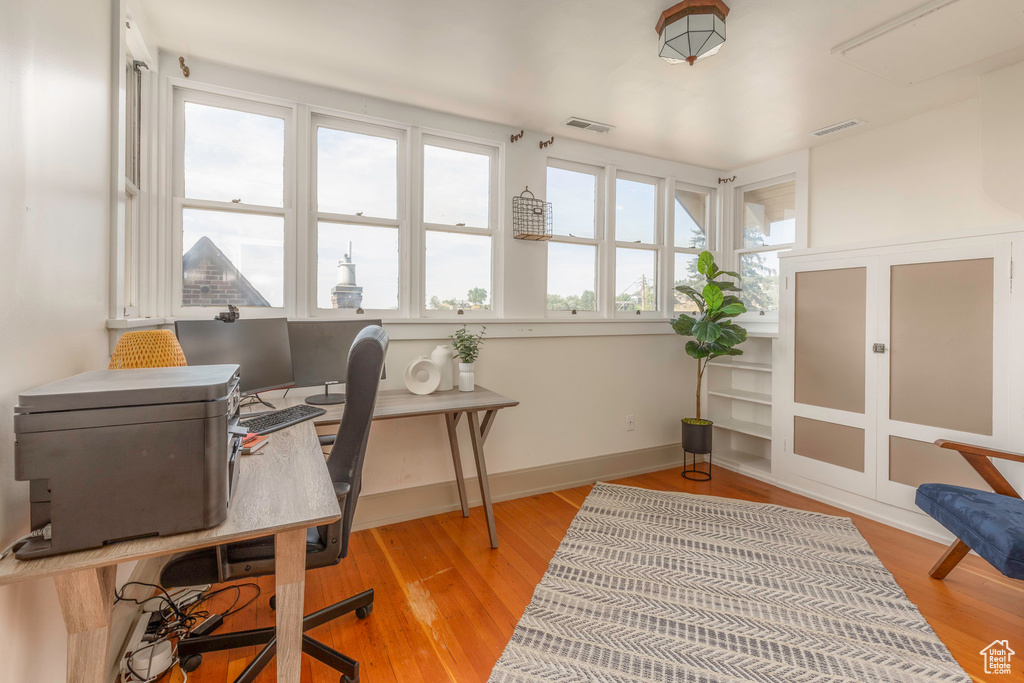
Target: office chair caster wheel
point(363, 612)
point(273, 602)
point(190, 664)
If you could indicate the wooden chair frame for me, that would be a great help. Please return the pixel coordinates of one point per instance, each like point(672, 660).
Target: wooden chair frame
point(980, 459)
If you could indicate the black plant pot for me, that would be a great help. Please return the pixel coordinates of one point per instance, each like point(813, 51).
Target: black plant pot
point(696, 441)
point(697, 438)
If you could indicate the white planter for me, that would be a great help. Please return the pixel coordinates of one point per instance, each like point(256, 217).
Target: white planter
point(444, 357)
point(466, 380)
point(422, 376)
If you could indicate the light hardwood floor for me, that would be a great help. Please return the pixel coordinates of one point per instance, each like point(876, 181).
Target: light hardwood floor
point(446, 604)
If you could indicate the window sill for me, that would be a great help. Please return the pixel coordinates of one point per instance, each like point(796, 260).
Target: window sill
point(134, 323)
point(506, 328)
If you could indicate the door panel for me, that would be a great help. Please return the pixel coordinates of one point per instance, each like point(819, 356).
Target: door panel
point(829, 443)
point(831, 319)
point(913, 463)
point(945, 316)
point(940, 368)
point(832, 382)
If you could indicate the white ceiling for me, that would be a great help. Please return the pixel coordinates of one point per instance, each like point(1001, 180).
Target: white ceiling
point(533, 63)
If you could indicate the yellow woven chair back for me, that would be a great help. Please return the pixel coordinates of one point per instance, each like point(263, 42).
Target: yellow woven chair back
point(147, 349)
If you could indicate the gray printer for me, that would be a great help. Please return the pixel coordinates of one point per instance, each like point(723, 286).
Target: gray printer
point(119, 454)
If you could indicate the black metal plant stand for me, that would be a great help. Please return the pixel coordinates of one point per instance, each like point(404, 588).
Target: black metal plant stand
point(691, 472)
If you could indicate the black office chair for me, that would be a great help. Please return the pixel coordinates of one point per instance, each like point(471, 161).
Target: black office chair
point(325, 545)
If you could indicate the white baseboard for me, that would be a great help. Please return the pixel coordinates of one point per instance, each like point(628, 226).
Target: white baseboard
point(911, 521)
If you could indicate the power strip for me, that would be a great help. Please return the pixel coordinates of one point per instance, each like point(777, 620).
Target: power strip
point(183, 597)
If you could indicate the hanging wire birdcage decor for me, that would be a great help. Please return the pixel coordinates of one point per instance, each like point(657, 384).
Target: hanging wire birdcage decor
point(531, 217)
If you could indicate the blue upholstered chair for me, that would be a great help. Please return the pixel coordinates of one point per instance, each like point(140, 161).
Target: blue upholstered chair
point(990, 524)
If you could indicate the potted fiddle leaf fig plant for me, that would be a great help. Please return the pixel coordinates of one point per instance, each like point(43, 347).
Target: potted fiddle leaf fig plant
point(713, 334)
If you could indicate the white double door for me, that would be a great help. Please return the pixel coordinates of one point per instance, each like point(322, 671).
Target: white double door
point(888, 350)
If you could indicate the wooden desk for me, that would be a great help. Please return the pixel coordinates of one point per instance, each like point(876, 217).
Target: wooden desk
point(453, 405)
point(283, 490)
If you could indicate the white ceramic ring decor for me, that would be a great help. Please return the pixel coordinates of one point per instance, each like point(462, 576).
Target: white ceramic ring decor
point(422, 376)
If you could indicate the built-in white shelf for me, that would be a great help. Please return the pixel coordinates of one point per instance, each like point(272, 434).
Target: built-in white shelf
point(744, 463)
point(738, 365)
point(740, 395)
point(743, 427)
point(739, 392)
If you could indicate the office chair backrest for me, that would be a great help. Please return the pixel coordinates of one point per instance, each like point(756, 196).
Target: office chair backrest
point(345, 463)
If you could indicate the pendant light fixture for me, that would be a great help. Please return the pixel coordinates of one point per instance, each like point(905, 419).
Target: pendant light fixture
point(691, 30)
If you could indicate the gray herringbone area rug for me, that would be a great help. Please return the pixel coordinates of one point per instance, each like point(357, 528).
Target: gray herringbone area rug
point(673, 587)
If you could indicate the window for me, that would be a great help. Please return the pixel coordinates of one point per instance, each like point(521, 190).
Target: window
point(132, 185)
point(692, 217)
point(459, 220)
point(360, 210)
point(766, 227)
point(575, 189)
point(232, 202)
point(637, 242)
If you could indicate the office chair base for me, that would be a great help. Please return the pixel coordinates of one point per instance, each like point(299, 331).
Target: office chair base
point(190, 650)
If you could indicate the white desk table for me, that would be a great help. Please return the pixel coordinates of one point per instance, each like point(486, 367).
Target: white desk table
point(480, 408)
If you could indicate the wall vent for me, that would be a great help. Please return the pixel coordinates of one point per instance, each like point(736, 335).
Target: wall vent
point(584, 124)
point(836, 127)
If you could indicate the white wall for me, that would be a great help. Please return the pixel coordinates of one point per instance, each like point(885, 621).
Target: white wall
point(574, 393)
point(1002, 136)
point(55, 66)
point(919, 177)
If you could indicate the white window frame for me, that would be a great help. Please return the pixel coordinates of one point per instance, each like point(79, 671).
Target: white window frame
point(658, 246)
point(670, 223)
point(597, 241)
point(736, 239)
point(400, 134)
point(495, 152)
point(248, 104)
point(131, 214)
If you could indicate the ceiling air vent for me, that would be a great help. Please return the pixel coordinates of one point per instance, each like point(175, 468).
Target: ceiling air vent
point(836, 127)
point(584, 124)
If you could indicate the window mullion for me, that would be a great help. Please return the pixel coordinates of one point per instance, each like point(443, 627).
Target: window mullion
point(304, 255)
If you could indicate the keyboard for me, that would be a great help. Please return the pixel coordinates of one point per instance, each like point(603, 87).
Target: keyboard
point(265, 423)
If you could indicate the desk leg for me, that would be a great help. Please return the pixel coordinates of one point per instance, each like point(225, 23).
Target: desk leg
point(451, 421)
point(478, 434)
point(86, 601)
point(290, 579)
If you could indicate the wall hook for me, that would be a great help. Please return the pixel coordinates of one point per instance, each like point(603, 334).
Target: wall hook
point(723, 181)
point(547, 143)
point(184, 69)
point(516, 136)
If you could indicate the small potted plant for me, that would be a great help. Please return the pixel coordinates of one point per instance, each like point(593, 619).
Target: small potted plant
point(714, 335)
point(467, 349)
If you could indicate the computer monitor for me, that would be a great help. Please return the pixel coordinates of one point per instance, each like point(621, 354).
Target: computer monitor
point(258, 345)
point(320, 354)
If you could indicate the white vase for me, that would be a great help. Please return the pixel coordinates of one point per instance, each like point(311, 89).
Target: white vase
point(422, 376)
point(444, 358)
point(466, 380)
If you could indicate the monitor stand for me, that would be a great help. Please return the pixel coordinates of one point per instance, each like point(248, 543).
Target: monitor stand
point(327, 398)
